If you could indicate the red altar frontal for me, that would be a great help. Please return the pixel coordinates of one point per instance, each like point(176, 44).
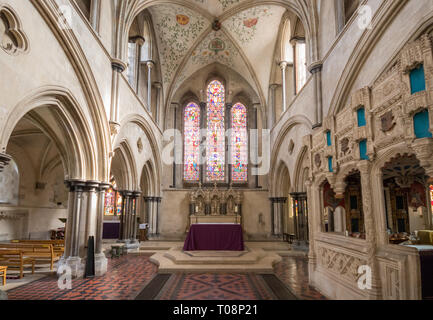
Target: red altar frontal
point(215, 237)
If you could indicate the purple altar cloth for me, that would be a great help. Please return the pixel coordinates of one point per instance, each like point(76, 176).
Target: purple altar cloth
point(220, 237)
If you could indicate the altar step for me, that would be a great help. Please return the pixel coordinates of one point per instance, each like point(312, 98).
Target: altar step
point(251, 260)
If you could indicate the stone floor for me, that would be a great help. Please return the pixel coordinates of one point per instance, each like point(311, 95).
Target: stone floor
point(130, 275)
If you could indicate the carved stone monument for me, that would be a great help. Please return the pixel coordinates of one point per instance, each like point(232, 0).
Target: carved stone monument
point(215, 205)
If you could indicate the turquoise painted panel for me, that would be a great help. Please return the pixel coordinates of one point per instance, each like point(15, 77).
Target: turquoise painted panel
point(328, 138)
point(417, 80)
point(361, 117)
point(421, 125)
point(330, 164)
point(363, 150)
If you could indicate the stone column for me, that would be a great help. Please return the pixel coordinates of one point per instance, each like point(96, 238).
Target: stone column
point(314, 222)
point(364, 167)
point(4, 160)
point(100, 259)
point(256, 107)
point(316, 70)
point(95, 13)
point(150, 64)
point(158, 87)
point(135, 196)
point(339, 12)
point(283, 66)
point(153, 213)
point(277, 209)
point(271, 108)
point(118, 67)
point(175, 107)
point(71, 257)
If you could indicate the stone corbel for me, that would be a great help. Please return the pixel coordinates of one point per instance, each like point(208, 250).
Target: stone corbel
point(339, 188)
point(424, 152)
point(4, 160)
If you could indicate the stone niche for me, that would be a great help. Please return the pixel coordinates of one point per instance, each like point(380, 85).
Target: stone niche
point(215, 205)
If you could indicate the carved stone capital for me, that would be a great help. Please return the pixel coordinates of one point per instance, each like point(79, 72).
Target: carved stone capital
point(424, 152)
point(150, 64)
point(4, 160)
point(315, 67)
point(118, 65)
point(114, 127)
point(364, 167)
point(283, 65)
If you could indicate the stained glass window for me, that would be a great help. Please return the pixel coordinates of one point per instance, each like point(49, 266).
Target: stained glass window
point(110, 196)
point(113, 201)
point(431, 197)
point(215, 149)
point(192, 142)
point(239, 146)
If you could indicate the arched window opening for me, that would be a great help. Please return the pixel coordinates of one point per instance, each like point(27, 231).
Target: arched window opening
point(421, 123)
point(113, 201)
point(301, 65)
point(215, 150)
point(239, 150)
point(192, 142)
point(417, 79)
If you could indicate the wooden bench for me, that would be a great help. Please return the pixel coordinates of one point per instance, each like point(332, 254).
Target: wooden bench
point(41, 253)
point(16, 260)
point(3, 271)
point(58, 245)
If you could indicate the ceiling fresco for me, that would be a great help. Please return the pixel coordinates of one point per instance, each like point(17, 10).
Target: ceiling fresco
point(217, 7)
point(254, 31)
point(177, 28)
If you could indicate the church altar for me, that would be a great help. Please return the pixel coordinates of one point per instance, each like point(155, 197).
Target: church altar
point(220, 237)
point(215, 206)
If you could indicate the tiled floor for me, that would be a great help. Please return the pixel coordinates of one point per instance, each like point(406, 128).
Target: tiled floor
point(128, 276)
point(293, 271)
point(216, 287)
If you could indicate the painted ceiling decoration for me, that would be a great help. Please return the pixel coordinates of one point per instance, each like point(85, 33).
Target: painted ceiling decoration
point(243, 26)
point(244, 42)
point(177, 28)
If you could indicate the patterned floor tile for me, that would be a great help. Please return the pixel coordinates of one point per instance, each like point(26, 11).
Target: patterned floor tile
point(216, 287)
point(126, 277)
point(293, 271)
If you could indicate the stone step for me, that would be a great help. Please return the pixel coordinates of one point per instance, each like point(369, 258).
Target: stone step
point(181, 258)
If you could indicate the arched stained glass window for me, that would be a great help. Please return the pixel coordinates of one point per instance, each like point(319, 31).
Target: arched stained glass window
point(113, 202)
point(239, 145)
point(215, 149)
point(192, 142)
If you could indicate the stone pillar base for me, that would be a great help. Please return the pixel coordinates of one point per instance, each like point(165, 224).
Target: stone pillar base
point(74, 263)
point(3, 295)
point(101, 264)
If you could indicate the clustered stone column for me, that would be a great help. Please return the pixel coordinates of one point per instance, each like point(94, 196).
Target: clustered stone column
point(150, 64)
point(118, 67)
point(128, 218)
point(277, 211)
point(85, 219)
point(272, 103)
point(364, 167)
point(316, 71)
point(283, 66)
point(300, 215)
point(152, 208)
point(4, 160)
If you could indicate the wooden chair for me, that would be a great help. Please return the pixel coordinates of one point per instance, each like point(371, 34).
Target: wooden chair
point(3, 271)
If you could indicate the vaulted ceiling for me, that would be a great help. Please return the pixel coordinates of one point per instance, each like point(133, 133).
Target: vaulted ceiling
point(245, 42)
